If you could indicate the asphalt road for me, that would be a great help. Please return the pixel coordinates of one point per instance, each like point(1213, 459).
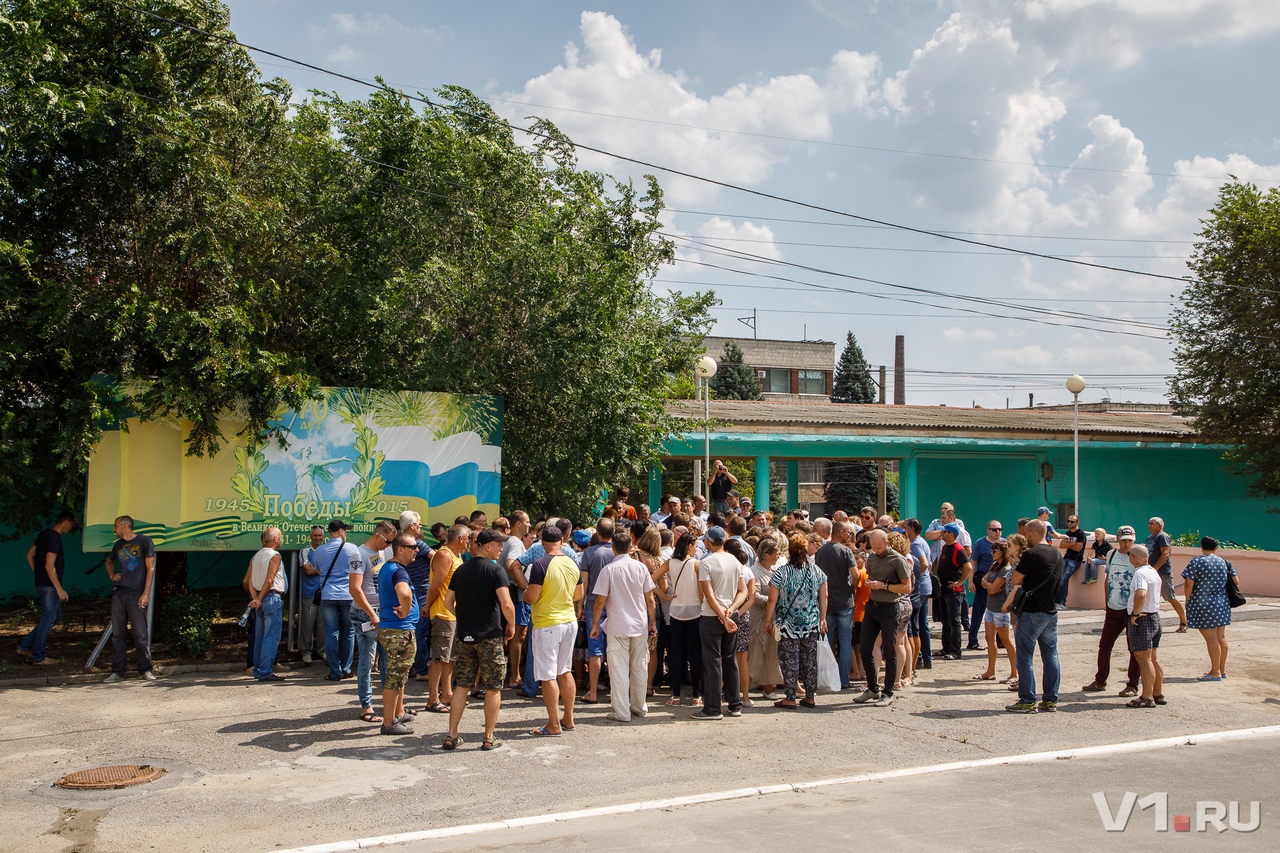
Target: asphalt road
point(263, 767)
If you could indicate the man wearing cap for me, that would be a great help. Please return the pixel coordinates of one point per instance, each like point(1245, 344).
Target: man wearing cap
point(555, 586)
point(363, 584)
point(723, 593)
point(592, 564)
point(1119, 581)
point(1050, 534)
point(1159, 547)
point(954, 570)
point(480, 600)
point(336, 559)
point(625, 587)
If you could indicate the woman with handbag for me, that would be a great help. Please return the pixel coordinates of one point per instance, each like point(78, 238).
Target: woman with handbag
point(1208, 609)
point(798, 606)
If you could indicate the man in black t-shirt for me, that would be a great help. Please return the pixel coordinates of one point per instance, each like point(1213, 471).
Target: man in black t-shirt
point(954, 569)
point(130, 598)
point(1073, 543)
point(1038, 572)
point(46, 560)
point(719, 484)
point(480, 600)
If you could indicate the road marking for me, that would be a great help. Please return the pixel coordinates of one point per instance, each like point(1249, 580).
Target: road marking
point(741, 793)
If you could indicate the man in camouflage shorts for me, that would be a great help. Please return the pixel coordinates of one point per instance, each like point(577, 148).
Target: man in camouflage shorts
point(480, 599)
point(397, 614)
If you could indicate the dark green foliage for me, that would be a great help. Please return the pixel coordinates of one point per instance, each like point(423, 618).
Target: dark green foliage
point(852, 382)
point(1228, 349)
point(734, 380)
point(852, 485)
point(185, 624)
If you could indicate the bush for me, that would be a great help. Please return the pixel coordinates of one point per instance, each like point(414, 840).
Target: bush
point(186, 624)
point(1192, 540)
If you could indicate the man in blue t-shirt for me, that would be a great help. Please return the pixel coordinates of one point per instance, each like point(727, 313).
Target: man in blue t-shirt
point(47, 561)
point(397, 616)
point(337, 559)
point(136, 555)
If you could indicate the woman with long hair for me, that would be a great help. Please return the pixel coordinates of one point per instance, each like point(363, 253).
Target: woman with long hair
point(762, 654)
point(996, 582)
point(684, 607)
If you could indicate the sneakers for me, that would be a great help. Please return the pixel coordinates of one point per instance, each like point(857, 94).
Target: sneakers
point(734, 712)
point(306, 658)
point(1047, 707)
point(1091, 580)
point(1094, 687)
point(867, 696)
point(885, 700)
point(113, 678)
point(44, 662)
point(148, 676)
point(1021, 708)
point(703, 714)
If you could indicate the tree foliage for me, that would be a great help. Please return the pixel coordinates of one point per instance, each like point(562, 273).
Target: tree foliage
point(852, 382)
point(851, 485)
point(166, 222)
point(1228, 352)
point(735, 380)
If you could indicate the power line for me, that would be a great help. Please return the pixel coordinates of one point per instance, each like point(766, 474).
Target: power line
point(920, 251)
point(1054, 299)
point(647, 164)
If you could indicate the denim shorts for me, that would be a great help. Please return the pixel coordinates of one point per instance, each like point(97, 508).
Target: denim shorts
point(995, 617)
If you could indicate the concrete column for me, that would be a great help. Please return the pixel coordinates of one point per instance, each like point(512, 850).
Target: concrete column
point(793, 484)
point(655, 487)
point(699, 482)
point(907, 493)
point(762, 484)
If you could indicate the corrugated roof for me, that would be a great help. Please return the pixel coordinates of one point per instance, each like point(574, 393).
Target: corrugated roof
point(760, 416)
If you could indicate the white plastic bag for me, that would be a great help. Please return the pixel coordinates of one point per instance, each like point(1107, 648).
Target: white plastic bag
point(828, 669)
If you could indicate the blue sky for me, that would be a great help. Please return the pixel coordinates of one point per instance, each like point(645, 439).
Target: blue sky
point(1092, 129)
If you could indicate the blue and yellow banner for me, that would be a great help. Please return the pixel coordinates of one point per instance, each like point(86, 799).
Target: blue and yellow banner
point(356, 454)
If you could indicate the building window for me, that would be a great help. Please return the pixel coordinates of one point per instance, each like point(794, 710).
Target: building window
point(811, 471)
point(813, 382)
point(775, 381)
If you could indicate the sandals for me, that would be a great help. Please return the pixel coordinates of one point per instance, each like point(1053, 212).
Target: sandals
point(674, 702)
point(1013, 684)
point(476, 694)
point(1159, 699)
point(789, 705)
point(438, 708)
point(451, 741)
point(541, 731)
point(1208, 677)
point(809, 703)
point(1182, 628)
point(981, 677)
point(370, 717)
point(1141, 702)
point(1128, 691)
point(490, 743)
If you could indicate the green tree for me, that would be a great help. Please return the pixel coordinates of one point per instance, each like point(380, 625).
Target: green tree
point(852, 382)
point(851, 485)
point(136, 202)
point(1227, 351)
point(735, 380)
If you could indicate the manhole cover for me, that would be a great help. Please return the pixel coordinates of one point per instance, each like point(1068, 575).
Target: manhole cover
point(119, 776)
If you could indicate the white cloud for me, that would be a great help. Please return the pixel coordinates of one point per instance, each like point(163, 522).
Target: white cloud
point(747, 237)
point(1031, 355)
point(344, 54)
point(956, 335)
point(1107, 353)
point(346, 24)
point(721, 136)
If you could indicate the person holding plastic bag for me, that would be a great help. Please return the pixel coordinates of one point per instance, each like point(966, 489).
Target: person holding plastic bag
point(797, 606)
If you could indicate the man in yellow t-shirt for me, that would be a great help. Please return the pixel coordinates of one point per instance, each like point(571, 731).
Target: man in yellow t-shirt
point(555, 583)
point(443, 623)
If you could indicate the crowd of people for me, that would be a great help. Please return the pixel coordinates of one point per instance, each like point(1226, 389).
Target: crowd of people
point(712, 605)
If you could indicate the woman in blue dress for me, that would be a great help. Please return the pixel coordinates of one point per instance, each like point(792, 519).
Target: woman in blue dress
point(1207, 606)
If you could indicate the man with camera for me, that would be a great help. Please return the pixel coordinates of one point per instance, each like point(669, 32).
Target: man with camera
point(719, 484)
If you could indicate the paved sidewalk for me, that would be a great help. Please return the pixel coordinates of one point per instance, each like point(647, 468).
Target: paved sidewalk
point(255, 766)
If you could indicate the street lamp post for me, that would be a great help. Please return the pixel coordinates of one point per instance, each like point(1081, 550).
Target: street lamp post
point(706, 368)
point(1076, 384)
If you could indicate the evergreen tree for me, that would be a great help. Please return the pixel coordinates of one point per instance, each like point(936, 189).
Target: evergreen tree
point(735, 380)
point(851, 485)
point(853, 376)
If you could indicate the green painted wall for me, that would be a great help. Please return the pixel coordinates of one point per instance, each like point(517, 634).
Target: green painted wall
point(981, 488)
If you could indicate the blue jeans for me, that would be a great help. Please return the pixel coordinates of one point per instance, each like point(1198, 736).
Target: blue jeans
point(1069, 567)
point(1037, 629)
point(979, 608)
point(266, 632)
point(50, 615)
point(920, 618)
point(339, 638)
point(367, 647)
point(1091, 569)
point(840, 632)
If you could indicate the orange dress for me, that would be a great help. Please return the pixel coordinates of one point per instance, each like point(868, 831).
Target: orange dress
point(861, 597)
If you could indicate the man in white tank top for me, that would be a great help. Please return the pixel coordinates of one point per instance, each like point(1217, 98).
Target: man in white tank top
point(267, 585)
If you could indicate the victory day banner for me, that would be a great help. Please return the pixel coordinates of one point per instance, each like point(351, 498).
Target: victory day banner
point(357, 454)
